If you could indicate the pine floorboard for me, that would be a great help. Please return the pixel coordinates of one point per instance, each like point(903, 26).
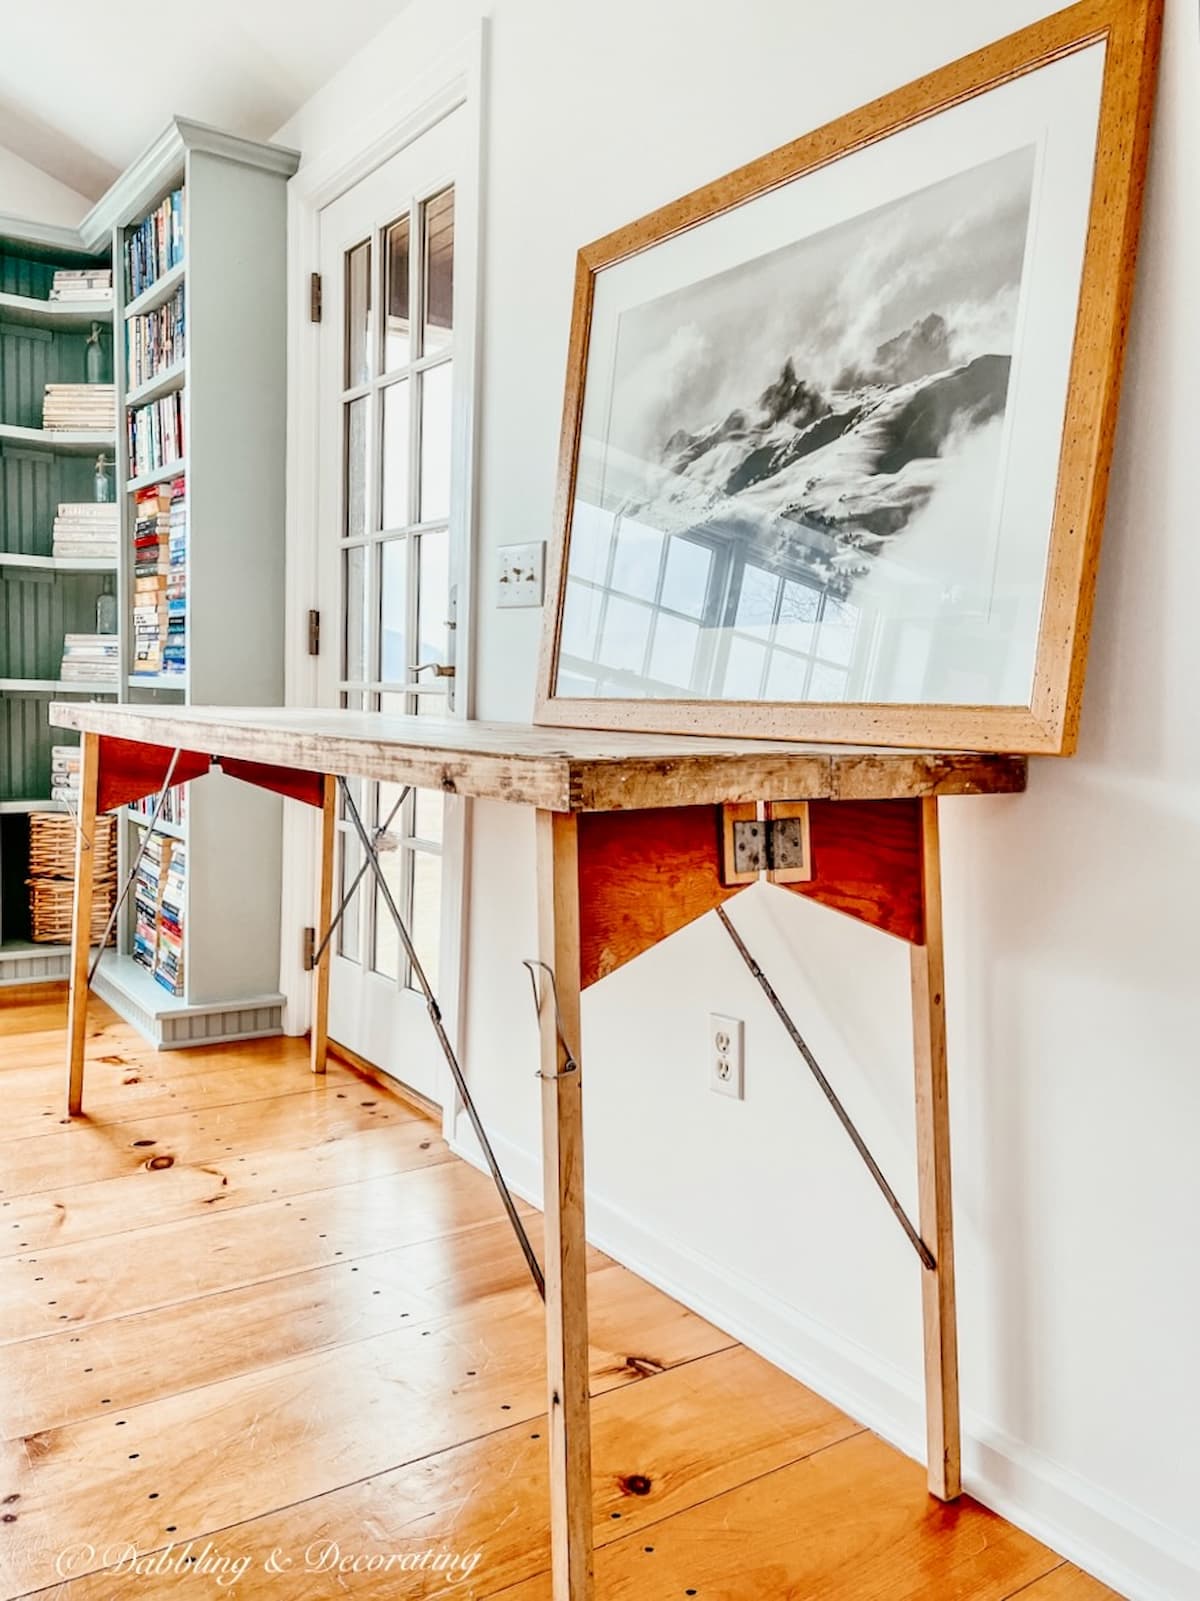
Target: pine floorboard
point(269, 1337)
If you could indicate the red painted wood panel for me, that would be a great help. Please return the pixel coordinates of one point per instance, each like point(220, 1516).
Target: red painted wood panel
point(867, 863)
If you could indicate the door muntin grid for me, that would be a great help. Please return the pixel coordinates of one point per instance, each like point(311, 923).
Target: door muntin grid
point(395, 550)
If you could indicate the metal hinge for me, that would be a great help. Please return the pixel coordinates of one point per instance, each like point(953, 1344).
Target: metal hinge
point(314, 298)
point(776, 843)
point(314, 633)
point(310, 949)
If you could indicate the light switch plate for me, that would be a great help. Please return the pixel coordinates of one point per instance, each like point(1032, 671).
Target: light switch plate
point(521, 576)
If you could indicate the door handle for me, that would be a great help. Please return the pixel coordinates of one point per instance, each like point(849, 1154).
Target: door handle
point(438, 669)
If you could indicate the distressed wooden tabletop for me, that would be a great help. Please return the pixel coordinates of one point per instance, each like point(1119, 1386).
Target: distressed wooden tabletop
point(560, 769)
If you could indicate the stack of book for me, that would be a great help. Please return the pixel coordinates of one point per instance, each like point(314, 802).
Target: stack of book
point(147, 895)
point(82, 283)
point(79, 407)
point(156, 340)
point(86, 529)
point(151, 572)
point(154, 246)
point(175, 650)
point(168, 967)
point(156, 434)
point(174, 806)
point(64, 774)
point(90, 659)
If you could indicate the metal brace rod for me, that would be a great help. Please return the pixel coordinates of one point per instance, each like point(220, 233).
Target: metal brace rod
point(343, 907)
point(435, 1017)
point(843, 1117)
point(159, 802)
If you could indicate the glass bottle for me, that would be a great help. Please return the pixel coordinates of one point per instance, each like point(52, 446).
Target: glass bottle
point(106, 614)
point(103, 481)
point(94, 360)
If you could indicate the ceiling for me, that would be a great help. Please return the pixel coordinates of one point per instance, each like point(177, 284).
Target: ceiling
point(77, 102)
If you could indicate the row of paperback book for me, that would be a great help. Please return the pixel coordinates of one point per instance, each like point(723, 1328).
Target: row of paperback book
point(90, 659)
point(154, 246)
point(159, 891)
point(173, 810)
point(79, 407)
point(160, 580)
point(82, 283)
point(156, 340)
point(156, 434)
point(86, 530)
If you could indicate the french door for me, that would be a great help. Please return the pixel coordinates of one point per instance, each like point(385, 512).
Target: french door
point(392, 539)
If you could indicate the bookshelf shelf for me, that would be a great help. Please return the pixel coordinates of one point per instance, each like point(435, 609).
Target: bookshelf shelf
point(163, 383)
point(30, 311)
point(59, 441)
point(159, 292)
point(12, 808)
point(56, 564)
point(53, 686)
point(177, 681)
point(173, 469)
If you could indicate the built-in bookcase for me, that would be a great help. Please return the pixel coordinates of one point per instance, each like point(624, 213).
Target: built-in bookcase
point(227, 281)
point(42, 597)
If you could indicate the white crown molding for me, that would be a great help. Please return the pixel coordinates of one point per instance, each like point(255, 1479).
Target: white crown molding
point(45, 235)
point(161, 164)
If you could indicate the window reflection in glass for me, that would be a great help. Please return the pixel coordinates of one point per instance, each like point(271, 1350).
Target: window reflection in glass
point(393, 612)
point(356, 468)
point(355, 642)
point(358, 315)
point(436, 392)
point(433, 590)
point(693, 613)
point(438, 216)
point(395, 455)
point(397, 341)
point(427, 911)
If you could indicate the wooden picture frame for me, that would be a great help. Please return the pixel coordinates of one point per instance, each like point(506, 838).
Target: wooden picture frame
point(1047, 722)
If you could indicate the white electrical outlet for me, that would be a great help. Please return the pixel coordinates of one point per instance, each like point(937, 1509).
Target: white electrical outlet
point(726, 1072)
point(521, 574)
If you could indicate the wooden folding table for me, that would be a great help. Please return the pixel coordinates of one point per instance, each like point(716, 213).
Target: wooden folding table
point(637, 836)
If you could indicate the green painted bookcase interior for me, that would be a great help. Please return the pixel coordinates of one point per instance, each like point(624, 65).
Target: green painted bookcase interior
point(41, 343)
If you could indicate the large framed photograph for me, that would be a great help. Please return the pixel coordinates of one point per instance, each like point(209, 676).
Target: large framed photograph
point(838, 427)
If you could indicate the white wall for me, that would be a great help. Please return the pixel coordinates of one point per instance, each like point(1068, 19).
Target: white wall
point(1072, 979)
point(26, 191)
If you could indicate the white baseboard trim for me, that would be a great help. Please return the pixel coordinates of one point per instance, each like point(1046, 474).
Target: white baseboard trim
point(1117, 1543)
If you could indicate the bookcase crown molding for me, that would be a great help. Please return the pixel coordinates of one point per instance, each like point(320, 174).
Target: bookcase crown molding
point(145, 179)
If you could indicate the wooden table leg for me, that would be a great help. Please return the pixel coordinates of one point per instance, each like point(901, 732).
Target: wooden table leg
point(81, 918)
point(320, 1016)
point(933, 1179)
point(566, 1245)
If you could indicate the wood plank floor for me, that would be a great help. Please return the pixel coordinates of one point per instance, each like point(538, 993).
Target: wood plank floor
point(265, 1336)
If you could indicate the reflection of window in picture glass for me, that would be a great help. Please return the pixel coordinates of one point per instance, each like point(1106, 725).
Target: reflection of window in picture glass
point(637, 559)
point(685, 582)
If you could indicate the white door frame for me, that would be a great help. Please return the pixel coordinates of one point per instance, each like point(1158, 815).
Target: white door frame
point(456, 79)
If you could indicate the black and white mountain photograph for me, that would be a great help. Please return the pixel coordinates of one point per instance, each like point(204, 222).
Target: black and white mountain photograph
point(836, 405)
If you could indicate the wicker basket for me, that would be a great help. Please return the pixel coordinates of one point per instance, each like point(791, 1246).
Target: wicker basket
point(50, 909)
point(52, 846)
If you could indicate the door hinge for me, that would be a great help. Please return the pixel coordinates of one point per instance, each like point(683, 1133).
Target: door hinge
point(310, 949)
point(314, 298)
point(776, 843)
point(314, 633)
